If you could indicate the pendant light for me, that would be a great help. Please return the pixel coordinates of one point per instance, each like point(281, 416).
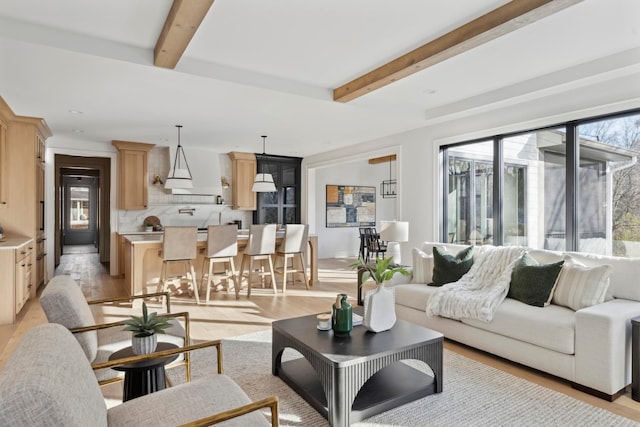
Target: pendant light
point(179, 177)
point(264, 181)
point(388, 187)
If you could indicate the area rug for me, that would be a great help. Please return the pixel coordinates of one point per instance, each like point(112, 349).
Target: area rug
point(473, 394)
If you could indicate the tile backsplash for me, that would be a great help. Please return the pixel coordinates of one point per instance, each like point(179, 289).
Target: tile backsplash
point(166, 206)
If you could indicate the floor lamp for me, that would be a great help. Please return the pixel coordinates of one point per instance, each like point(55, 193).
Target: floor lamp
point(394, 233)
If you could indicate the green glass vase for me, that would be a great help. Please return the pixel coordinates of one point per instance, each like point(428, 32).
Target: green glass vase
point(342, 318)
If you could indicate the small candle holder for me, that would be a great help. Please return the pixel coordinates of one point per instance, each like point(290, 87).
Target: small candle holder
point(324, 321)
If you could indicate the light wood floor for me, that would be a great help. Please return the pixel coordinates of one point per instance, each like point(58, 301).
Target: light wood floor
point(225, 316)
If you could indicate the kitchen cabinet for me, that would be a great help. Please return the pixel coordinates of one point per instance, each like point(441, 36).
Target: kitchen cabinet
point(243, 173)
point(3, 164)
point(133, 174)
point(16, 276)
point(23, 210)
point(23, 274)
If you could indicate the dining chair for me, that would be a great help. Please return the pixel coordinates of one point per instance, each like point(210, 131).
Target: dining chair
point(222, 247)
point(293, 247)
point(179, 245)
point(375, 246)
point(363, 242)
point(260, 247)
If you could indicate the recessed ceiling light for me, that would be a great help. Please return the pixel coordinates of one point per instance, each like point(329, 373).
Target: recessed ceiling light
point(75, 111)
point(77, 130)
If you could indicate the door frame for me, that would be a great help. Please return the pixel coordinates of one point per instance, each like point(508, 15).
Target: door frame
point(88, 236)
point(64, 162)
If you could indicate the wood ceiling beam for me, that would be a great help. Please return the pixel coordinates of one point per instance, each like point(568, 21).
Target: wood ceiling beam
point(181, 24)
point(383, 159)
point(509, 17)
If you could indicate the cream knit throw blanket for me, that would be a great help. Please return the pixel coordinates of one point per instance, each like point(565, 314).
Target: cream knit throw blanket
point(481, 290)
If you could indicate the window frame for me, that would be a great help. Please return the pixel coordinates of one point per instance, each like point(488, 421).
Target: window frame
point(572, 164)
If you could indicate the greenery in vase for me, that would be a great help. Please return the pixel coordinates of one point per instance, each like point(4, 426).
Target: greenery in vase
point(147, 324)
point(381, 271)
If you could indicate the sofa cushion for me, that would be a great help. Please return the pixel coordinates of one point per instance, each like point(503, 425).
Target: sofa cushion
point(551, 327)
point(580, 286)
point(448, 268)
point(422, 266)
point(414, 296)
point(532, 283)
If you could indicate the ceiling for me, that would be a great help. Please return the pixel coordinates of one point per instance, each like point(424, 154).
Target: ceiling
point(269, 68)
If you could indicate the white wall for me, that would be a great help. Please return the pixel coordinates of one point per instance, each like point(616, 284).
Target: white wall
point(345, 241)
point(419, 200)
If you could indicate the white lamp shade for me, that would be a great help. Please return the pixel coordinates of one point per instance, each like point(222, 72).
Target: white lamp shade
point(394, 231)
point(264, 183)
point(181, 178)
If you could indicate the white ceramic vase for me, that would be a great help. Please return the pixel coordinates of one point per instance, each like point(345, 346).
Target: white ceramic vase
point(379, 309)
point(144, 345)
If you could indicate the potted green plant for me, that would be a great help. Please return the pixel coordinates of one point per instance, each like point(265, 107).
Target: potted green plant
point(144, 329)
point(379, 304)
point(382, 270)
point(148, 226)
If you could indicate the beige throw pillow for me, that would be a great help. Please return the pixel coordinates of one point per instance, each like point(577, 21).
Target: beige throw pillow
point(422, 267)
point(579, 286)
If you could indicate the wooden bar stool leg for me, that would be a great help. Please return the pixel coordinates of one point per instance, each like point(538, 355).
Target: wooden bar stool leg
point(249, 278)
point(234, 277)
point(304, 269)
point(284, 274)
point(162, 285)
point(194, 282)
point(272, 275)
point(209, 279)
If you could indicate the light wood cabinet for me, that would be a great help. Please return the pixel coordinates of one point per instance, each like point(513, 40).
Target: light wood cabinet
point(133, 174)
point(24, 210)
point(243, 173)
point(23, 274)
point(3, 164)
point(16, 277)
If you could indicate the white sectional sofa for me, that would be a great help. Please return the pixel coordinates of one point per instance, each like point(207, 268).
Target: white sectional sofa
point(590, 347)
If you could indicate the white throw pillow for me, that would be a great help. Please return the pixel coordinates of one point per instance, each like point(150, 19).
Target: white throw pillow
point(579, 286)
point(422, 266)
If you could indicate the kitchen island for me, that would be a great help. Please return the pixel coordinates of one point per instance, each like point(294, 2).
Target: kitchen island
point(143, 258)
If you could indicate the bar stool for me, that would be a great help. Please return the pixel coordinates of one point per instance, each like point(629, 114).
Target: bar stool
point(260, 247)
point(292, 247)
point(179, 244)
point(222, 247)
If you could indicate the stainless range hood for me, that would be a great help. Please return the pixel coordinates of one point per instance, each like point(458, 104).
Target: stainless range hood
point(205, 171)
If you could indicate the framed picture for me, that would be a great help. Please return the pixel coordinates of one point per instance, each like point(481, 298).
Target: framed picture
point(351, 206)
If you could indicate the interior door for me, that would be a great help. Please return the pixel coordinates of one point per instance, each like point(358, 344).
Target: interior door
point(80, 210)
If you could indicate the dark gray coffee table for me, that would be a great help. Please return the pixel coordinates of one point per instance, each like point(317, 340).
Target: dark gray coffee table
point(350, 379)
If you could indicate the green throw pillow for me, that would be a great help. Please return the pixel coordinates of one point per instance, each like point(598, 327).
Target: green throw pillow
point(532, 283)
point(448, 268)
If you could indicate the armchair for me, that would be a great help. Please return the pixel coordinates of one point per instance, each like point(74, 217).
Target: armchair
point(63, 303)
point(49, 381)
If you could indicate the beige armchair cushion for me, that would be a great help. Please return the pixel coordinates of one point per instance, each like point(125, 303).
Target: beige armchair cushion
point(185, 403)
point(48, 381)
point(66, 304)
